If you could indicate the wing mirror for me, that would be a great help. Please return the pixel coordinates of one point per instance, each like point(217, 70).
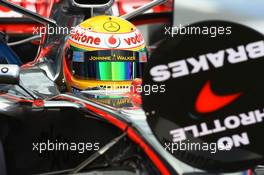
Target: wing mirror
point(9, 74)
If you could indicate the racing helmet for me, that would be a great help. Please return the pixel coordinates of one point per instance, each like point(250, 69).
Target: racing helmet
point(103, 51)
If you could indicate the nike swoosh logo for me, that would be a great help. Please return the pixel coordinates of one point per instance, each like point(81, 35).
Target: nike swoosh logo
point(207, 101)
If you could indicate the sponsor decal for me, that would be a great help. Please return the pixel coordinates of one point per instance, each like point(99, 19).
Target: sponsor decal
point(133, 40)
point(216, 126)
point(216, 101)
point(113, 41)
point(111, 26)
point(205, 62)
point(113, 58)
point(214, 94)
point(85, 39)
point(143, 58)
point(90, 39)
point(78, 56)
point(105, 55)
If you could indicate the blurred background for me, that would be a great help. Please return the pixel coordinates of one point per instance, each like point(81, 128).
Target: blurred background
point(152, 23)
point(247, 12)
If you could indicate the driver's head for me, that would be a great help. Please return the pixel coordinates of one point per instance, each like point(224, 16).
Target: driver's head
point(104, 51)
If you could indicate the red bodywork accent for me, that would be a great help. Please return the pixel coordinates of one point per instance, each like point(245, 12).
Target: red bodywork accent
point(137, 139)
point(14, 98)
point(18, 28)
point(127, 6)
point(131, 134)
point(207, 101)
point(42, 7)
point(38, 103)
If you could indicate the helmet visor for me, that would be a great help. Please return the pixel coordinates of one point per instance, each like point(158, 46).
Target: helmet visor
point(107, 65)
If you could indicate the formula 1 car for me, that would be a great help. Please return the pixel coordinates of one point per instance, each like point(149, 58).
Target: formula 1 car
point(105, 126)
point(45, 130)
